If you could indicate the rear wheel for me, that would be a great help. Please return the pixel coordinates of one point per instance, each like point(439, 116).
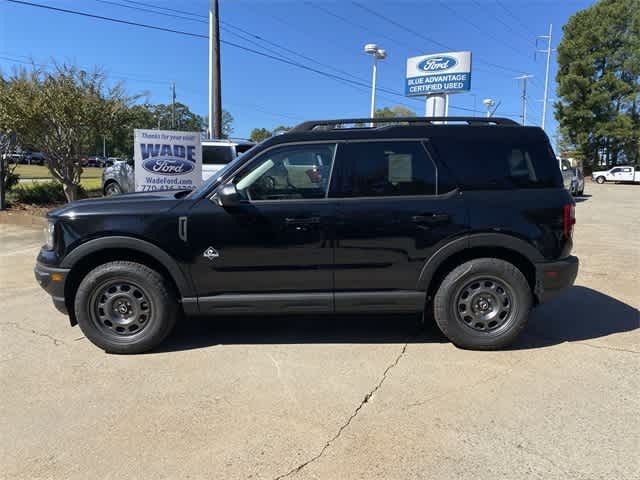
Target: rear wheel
point(111, 189)
point(601, 180)
point(483, 304)
point(125, 307)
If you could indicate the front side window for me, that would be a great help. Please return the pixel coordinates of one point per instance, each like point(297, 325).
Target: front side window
point(381, 169)
point(288, 173)
point(616, 170)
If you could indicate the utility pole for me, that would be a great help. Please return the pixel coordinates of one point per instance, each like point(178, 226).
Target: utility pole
point(215, 101)
point(546, 51)
point(173, 105)
point(104, 146)
point(524, 79)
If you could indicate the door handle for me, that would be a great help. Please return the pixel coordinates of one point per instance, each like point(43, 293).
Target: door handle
point(431, 219)
point(302, 220)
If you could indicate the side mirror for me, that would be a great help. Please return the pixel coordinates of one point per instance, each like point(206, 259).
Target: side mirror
point(228, 196)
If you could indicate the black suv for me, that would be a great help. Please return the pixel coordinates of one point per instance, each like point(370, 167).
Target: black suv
point(467, 220)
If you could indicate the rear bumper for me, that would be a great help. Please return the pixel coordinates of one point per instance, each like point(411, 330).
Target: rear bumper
point(553, 277)
point(53, 280)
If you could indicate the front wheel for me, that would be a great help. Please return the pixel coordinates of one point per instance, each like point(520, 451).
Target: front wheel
point(601, 180)
point(483, 304)
point(125, 307)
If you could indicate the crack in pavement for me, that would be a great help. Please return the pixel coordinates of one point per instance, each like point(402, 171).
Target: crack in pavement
point(55, 340)
point(364, 401)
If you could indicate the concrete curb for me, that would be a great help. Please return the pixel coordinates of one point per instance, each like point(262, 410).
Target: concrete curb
point(22, 219)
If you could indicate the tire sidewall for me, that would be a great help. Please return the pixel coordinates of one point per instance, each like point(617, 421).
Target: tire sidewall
point(112, 189)
point(446, 307)
point(160, 321)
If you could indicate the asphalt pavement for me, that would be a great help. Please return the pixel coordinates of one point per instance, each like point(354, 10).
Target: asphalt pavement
point(334, 397)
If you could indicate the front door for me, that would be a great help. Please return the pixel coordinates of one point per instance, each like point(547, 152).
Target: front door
point(390, 217)
point(273, 252)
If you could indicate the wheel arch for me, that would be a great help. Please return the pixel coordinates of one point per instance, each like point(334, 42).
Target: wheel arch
point(492, 245)
point(109, 182)
point(96, 252)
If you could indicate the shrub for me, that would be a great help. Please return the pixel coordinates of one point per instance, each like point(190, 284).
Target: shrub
point(45, 193)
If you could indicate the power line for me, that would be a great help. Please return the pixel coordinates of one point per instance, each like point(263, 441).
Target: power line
point(477, 27)
point(231, 29)
point(428, 39)
point(512, 15)
point(158, 82)
point(280, 59)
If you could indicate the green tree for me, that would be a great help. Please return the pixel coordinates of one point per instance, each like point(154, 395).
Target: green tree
point(396, 111)
point(598, 82)
point(259, 134)
point(60, 113)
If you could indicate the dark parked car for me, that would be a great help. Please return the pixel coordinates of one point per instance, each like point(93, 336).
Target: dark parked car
point(467, 220)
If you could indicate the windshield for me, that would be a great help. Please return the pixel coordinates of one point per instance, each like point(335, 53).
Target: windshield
point(220, 173)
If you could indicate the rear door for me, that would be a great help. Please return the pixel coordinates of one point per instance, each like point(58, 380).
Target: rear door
point(391, 215)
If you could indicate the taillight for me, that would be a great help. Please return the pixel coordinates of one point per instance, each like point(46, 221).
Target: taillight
point(568, 219)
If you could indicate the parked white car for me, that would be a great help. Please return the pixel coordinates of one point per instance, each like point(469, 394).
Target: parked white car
point(624, 173)
point(217, 153)
point(118, 177)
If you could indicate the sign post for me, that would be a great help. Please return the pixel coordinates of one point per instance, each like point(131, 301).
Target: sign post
point(435, 76)
point(167, 160)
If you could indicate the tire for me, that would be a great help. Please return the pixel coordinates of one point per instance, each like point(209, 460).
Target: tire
point(470, 301)
point(125, 307)
point(111, 189)
point(600, 180)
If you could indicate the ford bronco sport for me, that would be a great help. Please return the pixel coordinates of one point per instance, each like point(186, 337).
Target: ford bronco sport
point(466, 220)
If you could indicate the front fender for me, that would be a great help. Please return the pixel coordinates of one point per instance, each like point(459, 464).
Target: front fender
point(96, 245)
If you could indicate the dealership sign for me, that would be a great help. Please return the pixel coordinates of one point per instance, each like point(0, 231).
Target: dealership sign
point(438, 74)
point(167, 160)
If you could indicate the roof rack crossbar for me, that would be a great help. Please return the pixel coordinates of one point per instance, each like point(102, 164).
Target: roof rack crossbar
point(334, 124)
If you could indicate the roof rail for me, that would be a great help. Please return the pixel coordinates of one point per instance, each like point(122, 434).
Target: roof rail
point(366, 122)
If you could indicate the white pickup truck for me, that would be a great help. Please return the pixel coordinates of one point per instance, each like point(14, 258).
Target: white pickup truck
point(624, 173)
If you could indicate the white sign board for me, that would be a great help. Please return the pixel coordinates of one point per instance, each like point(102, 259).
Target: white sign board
point(438, 73)
point(167, 160)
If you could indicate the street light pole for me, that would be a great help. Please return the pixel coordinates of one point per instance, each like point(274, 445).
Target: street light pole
point(372, 110)
point(378, 54)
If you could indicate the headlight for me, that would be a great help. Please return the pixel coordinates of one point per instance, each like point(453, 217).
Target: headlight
point(48, 235)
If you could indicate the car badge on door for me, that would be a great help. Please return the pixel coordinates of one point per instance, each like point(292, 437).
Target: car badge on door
point(210, 253)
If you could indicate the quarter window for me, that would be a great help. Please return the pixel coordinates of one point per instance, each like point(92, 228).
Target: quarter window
point(480, 164)
point(380, 169)
point(288, 173)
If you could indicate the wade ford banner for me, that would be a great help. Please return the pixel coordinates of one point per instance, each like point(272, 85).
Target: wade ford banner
point(167, 160)
point(438, 73)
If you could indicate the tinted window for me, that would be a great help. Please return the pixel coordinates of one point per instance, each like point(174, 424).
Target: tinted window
point(616, 170)
point(499, 164)
point(217, 154)
point(376, 169)
point(288, 173)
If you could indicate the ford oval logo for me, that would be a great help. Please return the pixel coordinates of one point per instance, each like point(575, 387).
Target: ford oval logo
point(168, 166)
point(437, 63)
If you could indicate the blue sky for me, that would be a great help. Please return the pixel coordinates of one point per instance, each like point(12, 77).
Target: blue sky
point(261, 92)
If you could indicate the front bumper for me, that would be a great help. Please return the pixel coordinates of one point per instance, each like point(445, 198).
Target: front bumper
point(553, 277)
point(53, 280)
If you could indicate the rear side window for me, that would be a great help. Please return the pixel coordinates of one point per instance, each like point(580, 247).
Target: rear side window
point(217, 154)
point(383, 169)
point(487, 165)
